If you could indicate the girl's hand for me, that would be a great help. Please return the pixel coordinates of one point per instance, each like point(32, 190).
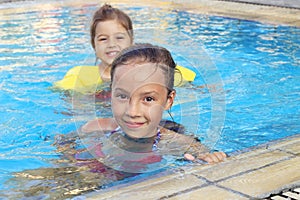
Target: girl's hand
point(214, 157)
point(210, 158)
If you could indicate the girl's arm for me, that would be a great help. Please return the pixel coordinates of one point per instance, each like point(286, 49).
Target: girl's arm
point(180, 144)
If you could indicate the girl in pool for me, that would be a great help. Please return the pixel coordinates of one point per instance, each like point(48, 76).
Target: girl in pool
point(111, 31)
point(142, 80)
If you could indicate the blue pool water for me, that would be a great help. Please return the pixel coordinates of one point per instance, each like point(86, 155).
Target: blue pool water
point(252, 69)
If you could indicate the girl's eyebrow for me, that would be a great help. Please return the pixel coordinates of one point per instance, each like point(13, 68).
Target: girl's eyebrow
point(151, 92)
point(124, 33)
point(121, 90)
point(102, 35)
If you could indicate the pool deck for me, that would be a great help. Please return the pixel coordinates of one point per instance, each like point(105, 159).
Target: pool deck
point(253, 174)
point(265, 11)
point(271, 12)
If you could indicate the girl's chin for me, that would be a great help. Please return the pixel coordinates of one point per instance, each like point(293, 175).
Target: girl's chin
point(139, 135)
point(110, 59)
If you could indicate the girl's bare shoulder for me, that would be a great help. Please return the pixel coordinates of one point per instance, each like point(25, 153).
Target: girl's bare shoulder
point(99, 124)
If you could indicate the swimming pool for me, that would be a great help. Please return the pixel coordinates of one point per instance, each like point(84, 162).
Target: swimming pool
point(258, 65)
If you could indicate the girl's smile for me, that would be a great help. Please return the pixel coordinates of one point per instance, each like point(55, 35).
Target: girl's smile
point(112, 54)
point(134, 125)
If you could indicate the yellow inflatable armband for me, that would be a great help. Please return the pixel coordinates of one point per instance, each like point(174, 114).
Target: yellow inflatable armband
point(82, 79)
point(185, 75)
point(85, 79)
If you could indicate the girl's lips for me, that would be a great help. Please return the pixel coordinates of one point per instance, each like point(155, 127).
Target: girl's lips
point(134, 124)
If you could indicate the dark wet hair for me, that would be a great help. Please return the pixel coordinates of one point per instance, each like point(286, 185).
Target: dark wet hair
point(107, 12)
point(148, 53)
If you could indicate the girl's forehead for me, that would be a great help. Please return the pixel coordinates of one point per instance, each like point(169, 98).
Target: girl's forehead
point(109, 24)
point(138, 74)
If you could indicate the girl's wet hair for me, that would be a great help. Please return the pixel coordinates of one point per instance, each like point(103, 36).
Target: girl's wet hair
point(148, 53)
point(107, 12)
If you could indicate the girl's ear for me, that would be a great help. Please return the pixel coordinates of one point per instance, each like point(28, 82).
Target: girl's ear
point(170, 99)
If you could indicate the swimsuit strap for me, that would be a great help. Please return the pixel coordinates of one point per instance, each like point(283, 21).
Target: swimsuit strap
point(156, 140)
point(116, 130)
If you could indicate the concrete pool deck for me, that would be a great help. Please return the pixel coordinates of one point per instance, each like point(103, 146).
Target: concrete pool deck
point(254, 174)
point(270, 13)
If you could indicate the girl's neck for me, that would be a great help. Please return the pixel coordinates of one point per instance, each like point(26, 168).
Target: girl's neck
point(136, 144)
point(104, 71)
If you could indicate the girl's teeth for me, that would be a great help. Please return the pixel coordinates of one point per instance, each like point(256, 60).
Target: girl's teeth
point(112, 53)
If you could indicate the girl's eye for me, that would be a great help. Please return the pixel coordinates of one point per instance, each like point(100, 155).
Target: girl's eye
point(102, 39)
point(149, 99)
point(121, 96)
point(120, 38)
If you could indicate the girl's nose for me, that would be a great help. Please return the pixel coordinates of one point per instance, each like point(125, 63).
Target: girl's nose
point(112, 42)
point(133, 109)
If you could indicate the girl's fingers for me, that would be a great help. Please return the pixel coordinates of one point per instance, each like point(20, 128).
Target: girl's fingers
point(209, 158)
point(189, 157)
point(220, 155)
point(213, 157)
